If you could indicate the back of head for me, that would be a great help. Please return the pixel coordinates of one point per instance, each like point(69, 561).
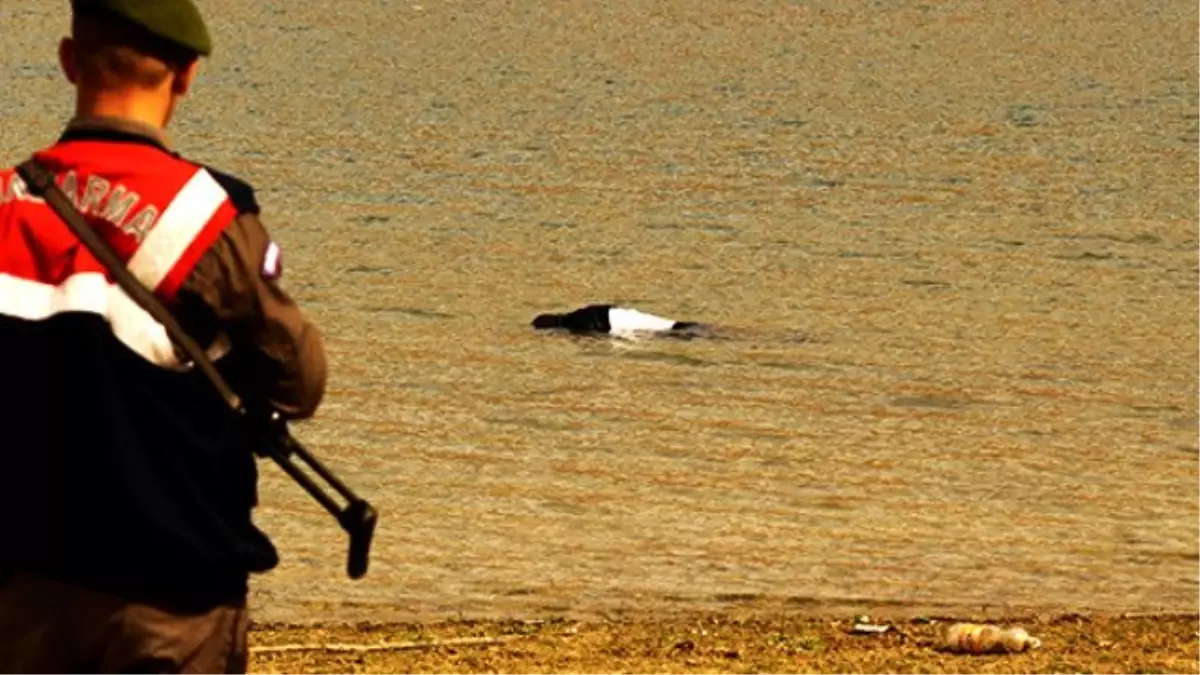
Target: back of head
point(548, 321)
point(138, 43)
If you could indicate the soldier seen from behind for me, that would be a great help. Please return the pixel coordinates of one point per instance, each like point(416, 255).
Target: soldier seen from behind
point(128, 486)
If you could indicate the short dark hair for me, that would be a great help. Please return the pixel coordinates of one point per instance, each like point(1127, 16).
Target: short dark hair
point(113, 51)
point(543, 321)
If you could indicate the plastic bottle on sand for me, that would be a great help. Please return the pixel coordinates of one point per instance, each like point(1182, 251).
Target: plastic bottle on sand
point(977, 638)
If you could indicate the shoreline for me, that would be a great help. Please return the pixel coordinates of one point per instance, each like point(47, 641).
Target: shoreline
point(269, 609)
point(726, 641)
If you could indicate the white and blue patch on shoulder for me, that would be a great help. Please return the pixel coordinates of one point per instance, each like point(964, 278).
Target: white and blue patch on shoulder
point(272, 265)
point(623, 321)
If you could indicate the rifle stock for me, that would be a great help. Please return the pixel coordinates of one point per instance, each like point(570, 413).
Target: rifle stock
point(358, 517)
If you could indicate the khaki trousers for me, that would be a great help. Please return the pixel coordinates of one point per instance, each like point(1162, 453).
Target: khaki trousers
point(51, 627)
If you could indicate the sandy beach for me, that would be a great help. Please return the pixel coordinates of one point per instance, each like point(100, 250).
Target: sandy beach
point(723, 643)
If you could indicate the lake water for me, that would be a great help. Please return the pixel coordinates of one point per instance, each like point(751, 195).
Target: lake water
point(953, 247)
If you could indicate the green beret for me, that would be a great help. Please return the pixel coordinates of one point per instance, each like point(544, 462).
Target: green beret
point(176, 21)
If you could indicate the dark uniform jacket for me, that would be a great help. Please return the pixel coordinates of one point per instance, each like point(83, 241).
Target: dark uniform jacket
point(122, 471)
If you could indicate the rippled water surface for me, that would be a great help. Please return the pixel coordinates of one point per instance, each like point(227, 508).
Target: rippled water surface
point(953, 246)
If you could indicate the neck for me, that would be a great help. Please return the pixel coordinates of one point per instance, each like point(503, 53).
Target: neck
point(147, 108)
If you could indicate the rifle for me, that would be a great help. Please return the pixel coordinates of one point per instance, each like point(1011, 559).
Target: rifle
point(358, 517)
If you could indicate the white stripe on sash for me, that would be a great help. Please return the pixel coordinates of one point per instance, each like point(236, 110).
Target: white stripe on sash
point(90, 292)
point(35, 301)
point(183, 219)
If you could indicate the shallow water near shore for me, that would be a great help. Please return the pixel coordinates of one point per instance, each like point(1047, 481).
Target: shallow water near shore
point(953, 249)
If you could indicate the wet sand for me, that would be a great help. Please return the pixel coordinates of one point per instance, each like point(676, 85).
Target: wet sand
point(956, 244)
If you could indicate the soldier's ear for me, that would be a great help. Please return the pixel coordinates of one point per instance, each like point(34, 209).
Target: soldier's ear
point(66, 60)
point(184, 78)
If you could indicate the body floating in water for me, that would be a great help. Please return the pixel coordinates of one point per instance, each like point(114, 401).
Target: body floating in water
point(617, 321)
